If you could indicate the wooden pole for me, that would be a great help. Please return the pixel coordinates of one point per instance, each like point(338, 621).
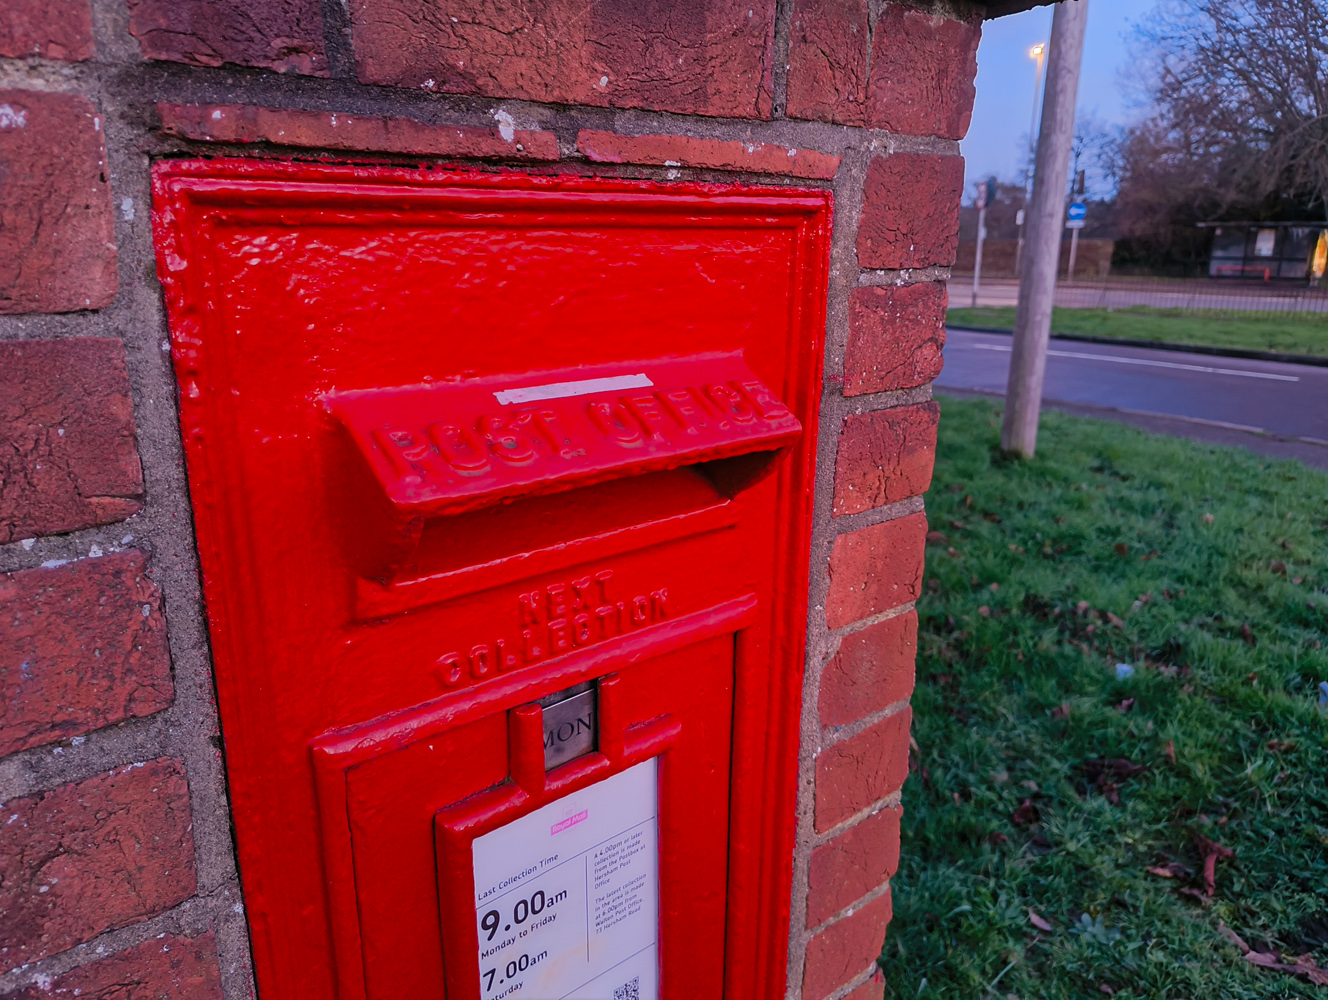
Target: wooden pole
point(1037, 285)
point(1074, 252)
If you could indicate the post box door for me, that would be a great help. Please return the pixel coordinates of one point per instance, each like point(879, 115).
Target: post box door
point(473, 454)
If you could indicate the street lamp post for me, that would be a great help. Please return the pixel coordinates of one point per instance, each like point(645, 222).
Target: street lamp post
point(1038, 52)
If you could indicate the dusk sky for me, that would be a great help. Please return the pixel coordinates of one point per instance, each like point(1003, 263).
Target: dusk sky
point(997, 140)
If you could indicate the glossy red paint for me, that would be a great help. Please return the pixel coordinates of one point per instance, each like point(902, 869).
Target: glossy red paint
point(403, 548)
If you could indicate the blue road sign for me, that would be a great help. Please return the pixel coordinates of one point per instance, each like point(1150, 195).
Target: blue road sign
point(1077, 212)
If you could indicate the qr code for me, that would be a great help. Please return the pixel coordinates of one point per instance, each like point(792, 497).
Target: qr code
point(630, 990)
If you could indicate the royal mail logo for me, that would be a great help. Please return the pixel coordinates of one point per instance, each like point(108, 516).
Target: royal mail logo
point(569, 822)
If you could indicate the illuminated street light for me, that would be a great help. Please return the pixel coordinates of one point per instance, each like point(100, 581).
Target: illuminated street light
point(1037, 52)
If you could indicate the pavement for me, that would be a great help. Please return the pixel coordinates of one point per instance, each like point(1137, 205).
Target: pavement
point(1270, 407)
point(1121, 294)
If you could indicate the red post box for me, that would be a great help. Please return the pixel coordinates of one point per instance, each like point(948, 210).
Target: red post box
point(502, 488)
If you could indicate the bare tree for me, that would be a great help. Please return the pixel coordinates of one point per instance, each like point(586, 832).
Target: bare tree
point(1091, 147)
point(1240, 96)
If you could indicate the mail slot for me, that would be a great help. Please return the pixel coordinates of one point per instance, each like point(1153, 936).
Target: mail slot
point(502, 491)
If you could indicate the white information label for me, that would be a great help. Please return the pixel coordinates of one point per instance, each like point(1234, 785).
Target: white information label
point(567, 897)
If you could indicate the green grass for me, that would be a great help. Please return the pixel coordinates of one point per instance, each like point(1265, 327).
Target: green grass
point(1289, 333)
point(1186, 546)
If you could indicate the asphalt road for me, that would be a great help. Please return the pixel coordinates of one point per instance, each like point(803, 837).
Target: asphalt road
point(1270, 407)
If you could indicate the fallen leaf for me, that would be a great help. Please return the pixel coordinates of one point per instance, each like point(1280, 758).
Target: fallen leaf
point(1281, 746)
point(1061, 711)
point(1108, 990)
point(1040, 923)
point(1304, 966)
point(984, 611)
point(938, 538)
point(1173, 869)
point(1208, 519)
point(1026, 815)
point(1170, 751)
point(1203, 900)
point(1115, 620)
point(1277, 566)
point(1121, 549)
point(1266, 959)
point(1247, 635)
point(1125, 706)
point(1233, 937)
point(1211, 851)
point(996, 838)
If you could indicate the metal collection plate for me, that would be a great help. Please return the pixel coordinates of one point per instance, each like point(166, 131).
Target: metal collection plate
point(569, 727)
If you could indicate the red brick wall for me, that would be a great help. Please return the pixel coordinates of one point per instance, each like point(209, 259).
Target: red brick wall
point(117, 871)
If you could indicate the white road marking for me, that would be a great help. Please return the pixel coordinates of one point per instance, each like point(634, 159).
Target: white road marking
point(1116, 359)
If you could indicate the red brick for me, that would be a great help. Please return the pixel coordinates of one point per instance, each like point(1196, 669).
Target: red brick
point(81, 646)
point(51, 29)
point(854, 773)
point(161, 968)
point(895, 337)
point(68, 425)
point(872, 670)
point(57, 237)
point(332, 130)
point(922, 72)
point(872, 989)
point(910, 211)
point(827, 75)
point(709, 57)
point(884, 456)
point(875, 569)
point(284, 35)
point(88, 857)
point(856, 862)
point(845, 949)
point(718, 154)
